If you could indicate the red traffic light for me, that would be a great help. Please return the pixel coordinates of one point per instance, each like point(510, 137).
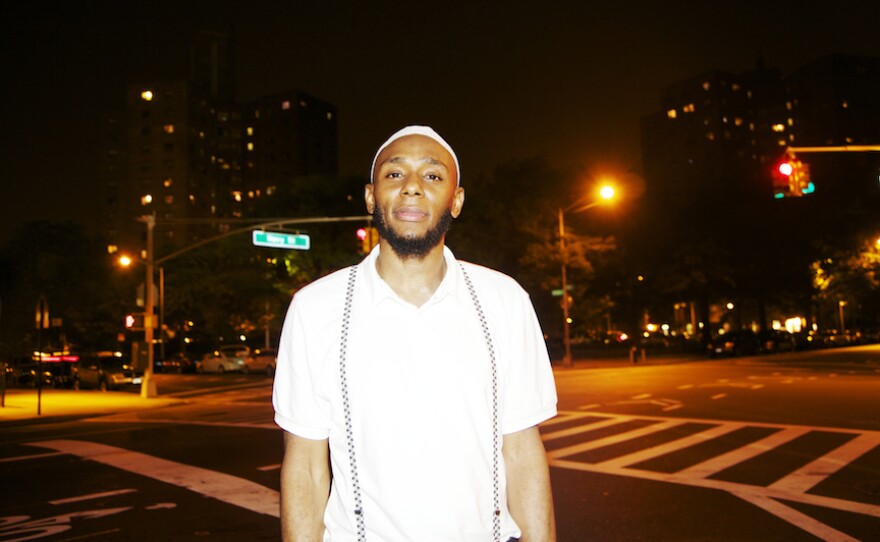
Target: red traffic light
point(129, 320)
point(362, 233)
point(786, 168)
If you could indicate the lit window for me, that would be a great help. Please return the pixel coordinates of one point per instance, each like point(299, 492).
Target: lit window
point(734, 87)
point(689, 108)
point(706, 86)
point(270, 190)
point(192, 198)
point(724, 120)
point(251, 194)
point(778, 127)
point(285, 105)
point(845, 104)
point(737, 121)
point(710, 136)
point(146, 200)
point(236, 195)
point(147, 95)
point(791, 122)
point(672, 113)
point(201, 135)
point(112, 249)
point(781, 143)
point(752, 126)
point(788, 105)
point(749, 94)
point(169, 128)
point(167, 182)
point(250, 146)
point(250, 130)
point(849, 140)
point(169, 199)
point(329, 116)
point(791, 137)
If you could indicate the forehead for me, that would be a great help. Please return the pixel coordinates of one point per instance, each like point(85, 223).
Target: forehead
point(416, 147)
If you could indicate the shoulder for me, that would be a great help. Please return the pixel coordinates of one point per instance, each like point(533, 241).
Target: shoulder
point(489, 282)
point(323, 290)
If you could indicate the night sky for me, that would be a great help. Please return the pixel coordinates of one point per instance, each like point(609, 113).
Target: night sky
point(501, 80)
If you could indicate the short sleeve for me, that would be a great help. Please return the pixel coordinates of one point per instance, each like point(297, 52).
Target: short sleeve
point(295, 394)
point(529, 388)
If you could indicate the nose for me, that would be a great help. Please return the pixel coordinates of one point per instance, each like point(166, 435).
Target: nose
point(413, 185)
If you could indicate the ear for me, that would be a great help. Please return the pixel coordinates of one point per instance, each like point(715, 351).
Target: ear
point(457, 201)
point(369, 199)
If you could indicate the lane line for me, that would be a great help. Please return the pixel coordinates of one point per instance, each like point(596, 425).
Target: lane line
point(582, 428)
point(811, 474)
point(223, 487)
point(675, 445)
point(798, 519)
point(92, 496)
point(613, 439)
point(27, 457)
point(864, 509)
point(719, 463)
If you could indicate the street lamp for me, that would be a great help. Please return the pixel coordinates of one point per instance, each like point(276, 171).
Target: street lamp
point(606, 194)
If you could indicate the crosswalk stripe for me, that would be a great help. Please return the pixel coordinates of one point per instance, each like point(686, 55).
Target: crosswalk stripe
point(794, 517)
point(678, 444)
point(719, 463)
point(223, 487)
point(810, 475)
point(581, 429)
point(613, 439)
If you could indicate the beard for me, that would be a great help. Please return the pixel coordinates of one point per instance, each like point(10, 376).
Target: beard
point(411, 246)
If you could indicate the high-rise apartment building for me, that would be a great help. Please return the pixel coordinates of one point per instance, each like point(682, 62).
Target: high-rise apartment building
point(186, 151)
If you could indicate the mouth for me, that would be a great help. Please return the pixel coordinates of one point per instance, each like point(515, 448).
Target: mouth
point(410, 214)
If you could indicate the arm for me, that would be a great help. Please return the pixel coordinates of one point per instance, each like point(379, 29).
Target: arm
point(528, 485)
point(305, 488)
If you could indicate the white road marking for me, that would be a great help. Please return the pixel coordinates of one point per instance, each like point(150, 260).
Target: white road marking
point(223, 487)
point(719, 463)
point(27, 457)
point(678, 444)
point(580, 429)
point(792, 488)
point(269, 467)
point(792, 516)
point(642, 396)
point(719, 396)
point(810, 475)
point(92, 496)
point(613, 439)
point(686, 386)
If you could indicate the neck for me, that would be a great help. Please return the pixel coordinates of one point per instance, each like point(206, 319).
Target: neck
point(414, 280)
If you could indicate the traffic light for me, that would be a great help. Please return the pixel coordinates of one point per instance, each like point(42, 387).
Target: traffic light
point(368, 236)
point(134, 321)
point(792, 178)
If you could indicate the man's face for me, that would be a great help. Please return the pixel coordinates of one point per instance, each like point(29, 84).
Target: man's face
point(414, 195)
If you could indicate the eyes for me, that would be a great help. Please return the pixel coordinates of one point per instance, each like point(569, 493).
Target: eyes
point(428, 175)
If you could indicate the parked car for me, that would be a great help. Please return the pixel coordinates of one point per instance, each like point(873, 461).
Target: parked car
point(104, 371)
point(777, 340)
point(221, 362)
point(263, 360)
point(735, 343)
point(178, 363)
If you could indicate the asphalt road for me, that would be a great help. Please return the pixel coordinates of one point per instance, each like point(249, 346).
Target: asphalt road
point(781, 448)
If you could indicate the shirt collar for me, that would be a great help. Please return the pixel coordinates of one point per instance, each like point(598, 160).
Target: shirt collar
point(375, 289)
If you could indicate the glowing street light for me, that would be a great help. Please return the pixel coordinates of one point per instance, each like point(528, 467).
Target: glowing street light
point(606, 194)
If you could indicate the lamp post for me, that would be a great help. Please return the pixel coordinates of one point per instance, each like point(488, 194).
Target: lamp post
point(606, 194)
point(148, 387)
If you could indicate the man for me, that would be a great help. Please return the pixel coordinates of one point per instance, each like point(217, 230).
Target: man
point(410, 386)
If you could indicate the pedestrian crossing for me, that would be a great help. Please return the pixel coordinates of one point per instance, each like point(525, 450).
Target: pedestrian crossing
point(764, 464)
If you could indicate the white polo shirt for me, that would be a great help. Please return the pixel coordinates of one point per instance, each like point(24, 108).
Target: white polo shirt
point(421, 398)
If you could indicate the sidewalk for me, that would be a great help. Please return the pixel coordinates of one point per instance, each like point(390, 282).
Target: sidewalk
point(60, 405)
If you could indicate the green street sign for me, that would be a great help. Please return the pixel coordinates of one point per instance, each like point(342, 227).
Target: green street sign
point(271, 239)
point(558, 292)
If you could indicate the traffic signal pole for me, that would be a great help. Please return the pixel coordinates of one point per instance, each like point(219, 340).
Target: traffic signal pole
point(148, 387)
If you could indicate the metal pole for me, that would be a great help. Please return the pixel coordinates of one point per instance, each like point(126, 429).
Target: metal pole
point(148, 388)
point(161, 313)
point(566, 337)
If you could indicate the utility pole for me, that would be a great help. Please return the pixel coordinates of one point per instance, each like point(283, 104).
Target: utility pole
point(148, 386)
